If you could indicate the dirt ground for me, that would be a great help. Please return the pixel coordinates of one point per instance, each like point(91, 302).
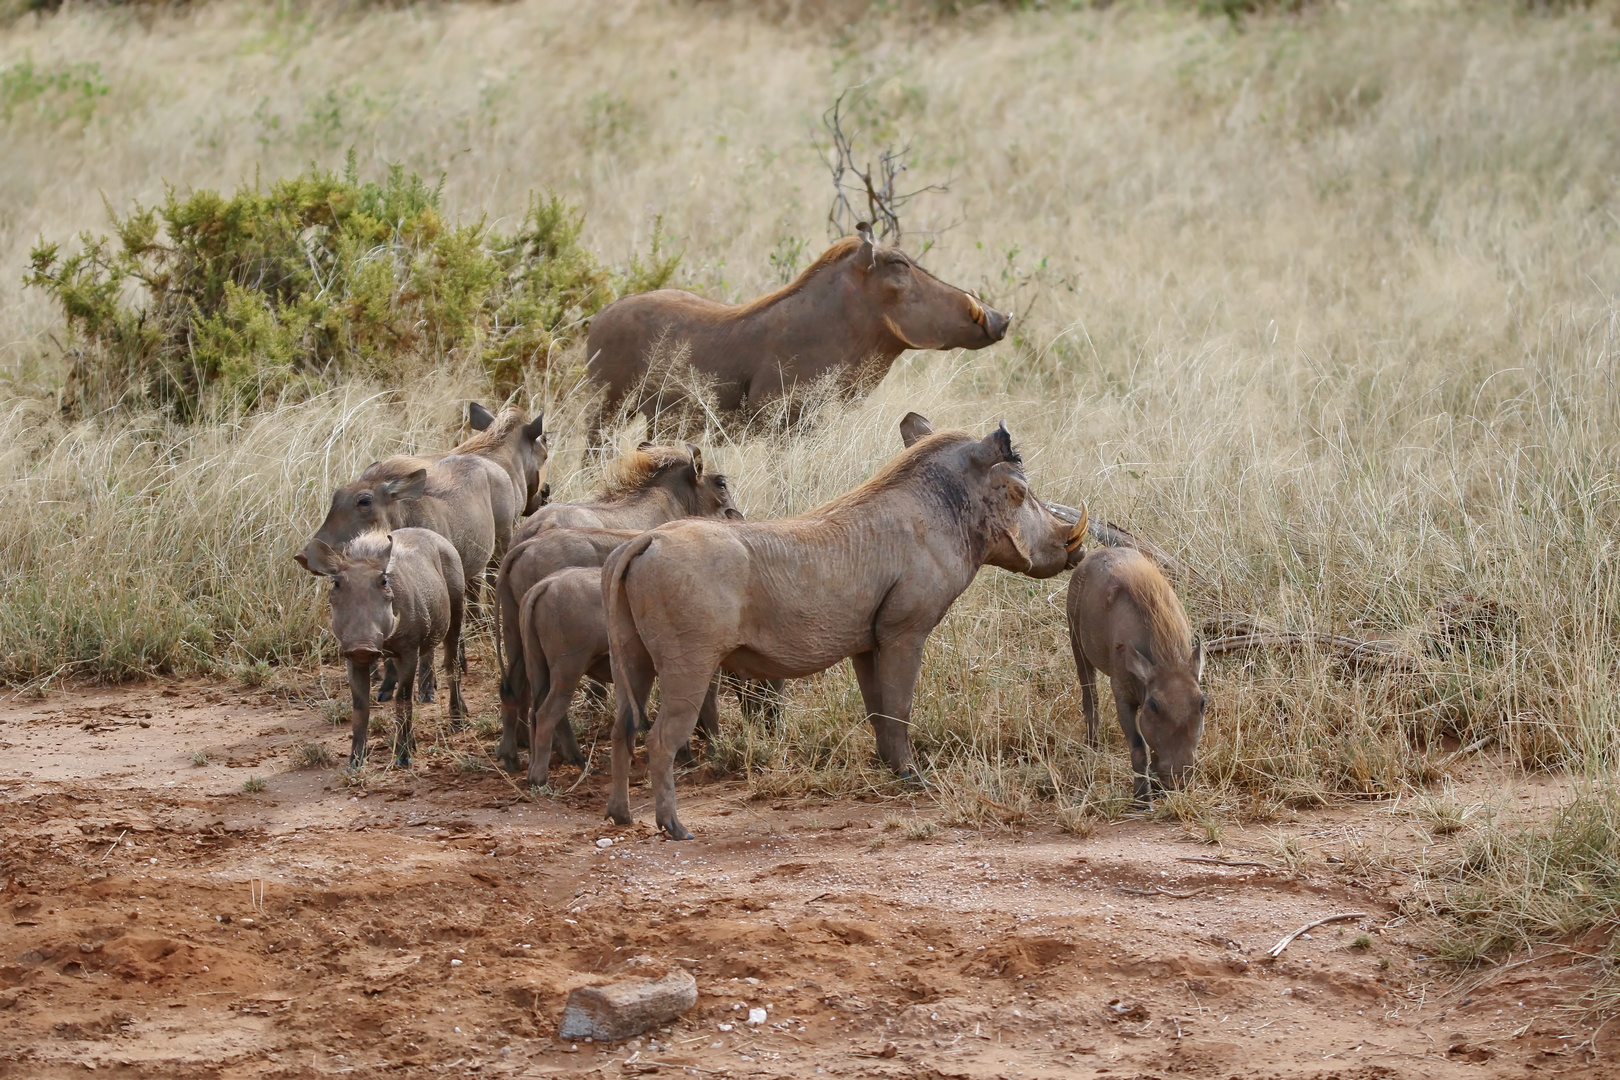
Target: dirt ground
point(159, 921)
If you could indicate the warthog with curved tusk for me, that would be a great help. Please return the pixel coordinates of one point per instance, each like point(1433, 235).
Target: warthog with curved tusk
point(394, 595)
point(867, 576)
point(858, 307)
point(1125, 621)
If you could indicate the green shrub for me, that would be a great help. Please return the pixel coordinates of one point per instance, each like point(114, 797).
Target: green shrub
point(209, 302)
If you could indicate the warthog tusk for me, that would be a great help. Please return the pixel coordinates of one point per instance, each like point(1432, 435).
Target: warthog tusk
point(1067, 513)
point(1077, 535)
point(975, 310)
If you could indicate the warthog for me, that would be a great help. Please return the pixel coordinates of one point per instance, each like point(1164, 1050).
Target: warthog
point(649, 486)
point(867, 576)
point(394, 595)
point(565, 638)
point(472, 496)
point(1125, 621)
point(857, 308)
point(524, 567)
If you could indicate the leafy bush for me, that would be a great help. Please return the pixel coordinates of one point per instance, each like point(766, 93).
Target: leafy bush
point(211, 302)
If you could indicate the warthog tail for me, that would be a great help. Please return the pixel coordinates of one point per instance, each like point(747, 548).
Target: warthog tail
point(621, 622)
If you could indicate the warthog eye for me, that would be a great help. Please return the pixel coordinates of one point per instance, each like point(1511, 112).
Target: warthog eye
point(1153, 703)
point(382, 581)
point(1203, 701)
point(363, 502)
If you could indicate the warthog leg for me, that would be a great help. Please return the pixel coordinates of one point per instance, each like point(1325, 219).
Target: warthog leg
point(359, 709)
point(633, 674)
point(1142, 788)
point(390, 679)
point(708, 722)
point(1088, 687)
point(425, 686)
point(682, 696)
point(888, 681)
point(403, 705)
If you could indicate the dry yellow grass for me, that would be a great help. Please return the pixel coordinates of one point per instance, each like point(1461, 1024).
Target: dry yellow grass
point(1326, 308)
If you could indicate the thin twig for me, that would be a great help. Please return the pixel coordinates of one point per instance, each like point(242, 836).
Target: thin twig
point(110, 850)
point(1277, 949)
point(1209, 861)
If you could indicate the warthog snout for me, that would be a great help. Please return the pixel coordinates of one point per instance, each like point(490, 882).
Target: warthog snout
point(995, 323)
point(362, 654)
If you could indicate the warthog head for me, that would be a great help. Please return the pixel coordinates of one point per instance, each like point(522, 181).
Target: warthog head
point(921, 311)
point(701, 493)
point(1038, 542)
point(362, 601)
point(524, 440)
point(1171, 719)
point(369, 504)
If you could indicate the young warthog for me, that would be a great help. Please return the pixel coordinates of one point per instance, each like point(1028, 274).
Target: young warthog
point(565, 638)
point(867, 576)
point(394, 595)
point(651, 485)
point(1125, 621)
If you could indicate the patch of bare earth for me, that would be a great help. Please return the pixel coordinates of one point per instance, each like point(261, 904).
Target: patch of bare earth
point(156, 920)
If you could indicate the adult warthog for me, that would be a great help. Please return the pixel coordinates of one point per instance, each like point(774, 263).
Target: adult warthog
point(472, 496)
point(394, 595)
point(1125, 621)
point(857, 308)
point(646, 487)
point(867, 576)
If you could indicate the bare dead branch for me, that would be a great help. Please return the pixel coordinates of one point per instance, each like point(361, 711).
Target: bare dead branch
point(853, 185)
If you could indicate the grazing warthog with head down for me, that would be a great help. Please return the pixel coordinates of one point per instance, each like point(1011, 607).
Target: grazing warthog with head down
point(1125, 621)
point(648, 486)
point(867, 576)
point(394, 595)
point(857, 308)
point(565, 638)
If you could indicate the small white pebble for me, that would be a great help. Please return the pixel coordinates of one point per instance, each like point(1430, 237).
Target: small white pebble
point(756, 1016)
point(724, 1027)
point(455, 963)
point(605, 843)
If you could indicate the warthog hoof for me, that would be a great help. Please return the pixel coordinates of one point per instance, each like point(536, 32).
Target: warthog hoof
point(619, 815)
point(426, 695)
point(403, 761)
point(675, 829)
point(911, 778)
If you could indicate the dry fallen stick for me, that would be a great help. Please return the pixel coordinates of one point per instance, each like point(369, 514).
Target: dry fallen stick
point(1208, 861)
point(1353, 650)
point(114, 847)
point(1160, 892)
point(1277, 949)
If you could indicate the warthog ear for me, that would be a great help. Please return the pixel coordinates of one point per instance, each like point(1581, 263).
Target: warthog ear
point(388, 566)
point(536, 428)
point(734, 514)
point(1135, 663)
point(1198, 661)
point(478, 416)
point(914, 426)
point(868, 252)
point(697, 459)
point(407, 488)
point(996, 447)
point(319, 559)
